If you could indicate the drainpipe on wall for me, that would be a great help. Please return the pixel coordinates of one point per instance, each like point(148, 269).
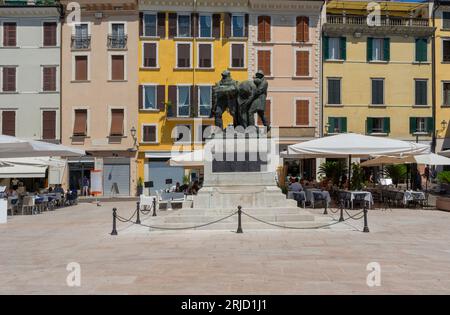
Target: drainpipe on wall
point(321, 73)
point(61, 19)
point(433, 75)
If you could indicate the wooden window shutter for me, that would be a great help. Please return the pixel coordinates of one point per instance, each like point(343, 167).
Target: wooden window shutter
point(150, 58)
point(263, 28)
point(387, 49)
point(9, 79)
point(237, 55)
point(162, 24)
point(430, 124)
point(9, 123)
point(149, 133)
point(80, 123)
point(369, 125)
point(141, 23)
point(9, 34)
point(264, 61)
point(412, 125)
point(387, 125)
point(81, 68)
point(326, 52)
point(184, 54)
point(204, 52)
point(49, 78)
point(302, 29)
point(246, 25)
point(50, 33)
point(141, 97)
point(302, 112)
point(194, 24)
point(117, 122)
point(302, 63)
point(227, 25)
point(216, 26)
point(172, 25)
point(161, 97)
point(117, 68)
point(369, 48)
point(49, 125)
point(343, 124)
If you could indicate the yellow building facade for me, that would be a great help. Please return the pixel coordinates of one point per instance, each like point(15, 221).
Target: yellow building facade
point(183, 50)
point(442, 64)
point(377, 80)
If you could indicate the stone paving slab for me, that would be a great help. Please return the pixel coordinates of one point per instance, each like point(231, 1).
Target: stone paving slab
point(412, 247)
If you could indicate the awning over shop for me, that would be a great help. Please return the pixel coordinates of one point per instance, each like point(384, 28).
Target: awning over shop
point(23, 171)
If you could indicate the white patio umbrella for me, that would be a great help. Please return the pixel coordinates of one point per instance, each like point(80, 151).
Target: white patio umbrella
point(429, 159)
point(12, 147)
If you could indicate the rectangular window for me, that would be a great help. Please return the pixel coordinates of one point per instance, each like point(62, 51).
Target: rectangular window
point(302, 112)
point(49, 79)
point(9, 123)
point(337, 125)
point(49, 125)
point(9, 79)
point(421, 125)
point(9, 34)
point(378, 49)
point(238, 26)
point(446, 50)
point(377, 91)
point(184, 26)
point(302, 63)
point(183, 55)
point(334, 91)
point(302, 30)
point(118, 38)
point(80, 122)
point(205, 26)
point(334, 48)
point(81, 39)
point(50, 34)
point(205, 55)
point(421, 97)
point(150, 25)
point(264, 60)
point(446, 92)
point(117, 118)
point(150, 55)
point(81, 68)
point(150, 97)
point(264, 28)
point(378, 125)
point(149, 133)
point(117, 67)
point(446, 20)
point(184, 101)
point(204, 101)
point(237, 55)
point(421, 49)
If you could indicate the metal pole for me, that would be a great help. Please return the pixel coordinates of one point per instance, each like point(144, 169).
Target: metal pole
point(341, 218)
point(114, 230)
point(138, 211)
point(366, 227)
point(239, 229)
point(154, 206)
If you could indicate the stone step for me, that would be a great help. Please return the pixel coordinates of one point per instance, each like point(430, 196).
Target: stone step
point(224, 212)
point(269, 218)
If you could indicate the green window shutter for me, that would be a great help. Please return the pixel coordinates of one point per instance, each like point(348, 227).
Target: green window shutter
point(343, 48)
point(331, 125)
point(326, 54)
point(369, 125)
point(369, 48)
point(421, 49)
point(344, 124)
point(387, 50)
point(412, 125)
point(430, 125)
point(387, 125)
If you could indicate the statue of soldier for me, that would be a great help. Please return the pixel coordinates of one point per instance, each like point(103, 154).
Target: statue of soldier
point(224, 97)
point(246, 97)
point(259, 104)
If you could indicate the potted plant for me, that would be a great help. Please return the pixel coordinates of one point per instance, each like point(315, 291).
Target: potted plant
point(396, 172)
point(140, 186)
point(357, 179)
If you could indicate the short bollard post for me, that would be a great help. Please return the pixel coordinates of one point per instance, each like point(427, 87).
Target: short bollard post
point(138, 212)
point(239, 229)
point(326, 210)
point(366, 227)
point(154, 206)
point(341, 218)
point(114, 229)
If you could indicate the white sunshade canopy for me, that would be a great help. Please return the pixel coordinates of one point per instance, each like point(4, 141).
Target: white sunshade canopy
point(355, 145)
point(23, 171)
point(12, 147)
point(428, 159)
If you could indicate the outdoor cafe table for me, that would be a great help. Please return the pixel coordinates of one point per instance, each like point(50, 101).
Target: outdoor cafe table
point(367, 196)
point(411, 195)
point(313, 193)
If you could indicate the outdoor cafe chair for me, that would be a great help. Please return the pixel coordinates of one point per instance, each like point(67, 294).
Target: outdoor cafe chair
point(28, 204)
point(12, 204)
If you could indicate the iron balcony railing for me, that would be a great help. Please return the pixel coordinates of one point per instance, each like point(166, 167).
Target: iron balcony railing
point(81, 42)
point(117, 41)
point(384, 21)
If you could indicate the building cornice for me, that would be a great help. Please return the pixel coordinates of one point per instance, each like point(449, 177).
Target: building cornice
point(350, 29)
point(283, 5)
point(190, 5)
point(29, 11)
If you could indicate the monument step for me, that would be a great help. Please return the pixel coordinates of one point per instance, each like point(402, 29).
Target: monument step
point(223, 212)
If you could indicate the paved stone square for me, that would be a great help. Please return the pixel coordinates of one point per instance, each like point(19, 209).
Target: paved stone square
point(412, 247)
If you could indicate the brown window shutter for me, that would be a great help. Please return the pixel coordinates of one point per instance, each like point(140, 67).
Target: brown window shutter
point(9, 79)
point(9, 34)
point(204, 52)
point(9, 123)
point(194, 24)
point(261, 29)
point(162, 24)
point(227, 25)
point(149, 133)
point(302, 63)
point(216, 26)
point(49, 78)
point(267, 29)
point(81, 68)
point(246, 25)
point(117, 68)
point(238, 55)
point(302, 111)
point(161, 97)
point(264, 61)
point(141, 97)
point(302, 29)
point(141, 23)
point(172, 25)
point(80, 123)
point(173, 95)
point(50, 33)
point(117, 122)
point(150, 58)
point(184, 54)
point(49, 125)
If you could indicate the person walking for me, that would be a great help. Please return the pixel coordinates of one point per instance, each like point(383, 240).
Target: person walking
point(85, 186)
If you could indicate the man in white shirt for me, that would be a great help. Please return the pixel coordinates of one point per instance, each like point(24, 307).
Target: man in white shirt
point(295, 186)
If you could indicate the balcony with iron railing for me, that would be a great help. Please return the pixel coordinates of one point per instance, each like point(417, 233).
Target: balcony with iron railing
point(117, 41)
point(385, 20)
point(81, 42)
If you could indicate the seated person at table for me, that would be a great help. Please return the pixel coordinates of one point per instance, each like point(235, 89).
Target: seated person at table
point(59, 189)
point(21, 189)
point(12, 193)
point(295, 186)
